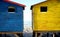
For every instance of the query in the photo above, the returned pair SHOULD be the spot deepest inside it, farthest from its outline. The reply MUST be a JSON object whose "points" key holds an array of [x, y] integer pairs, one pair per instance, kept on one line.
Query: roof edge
{"points": [[36, 4], [14, 3], [31, 7]]}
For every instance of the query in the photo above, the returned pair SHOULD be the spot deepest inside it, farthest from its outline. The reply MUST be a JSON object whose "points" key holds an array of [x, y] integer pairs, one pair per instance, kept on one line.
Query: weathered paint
{"points": [[11, 22], [46, 21]]}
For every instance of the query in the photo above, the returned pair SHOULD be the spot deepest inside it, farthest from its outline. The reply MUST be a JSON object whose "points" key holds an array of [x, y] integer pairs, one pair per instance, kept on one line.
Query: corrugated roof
{"points": [[14, 3]]}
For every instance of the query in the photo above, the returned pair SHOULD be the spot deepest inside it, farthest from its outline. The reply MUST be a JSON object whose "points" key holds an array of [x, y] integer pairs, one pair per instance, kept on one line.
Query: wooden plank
{"points": [[14, 33], [10, 32]]}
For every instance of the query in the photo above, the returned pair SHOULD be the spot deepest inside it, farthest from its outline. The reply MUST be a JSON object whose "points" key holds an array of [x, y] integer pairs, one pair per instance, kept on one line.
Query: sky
{"points": [[27, 11]]}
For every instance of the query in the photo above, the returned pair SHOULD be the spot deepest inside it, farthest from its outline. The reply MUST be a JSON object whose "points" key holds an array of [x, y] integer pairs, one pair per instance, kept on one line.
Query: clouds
{"points": [[27, 29]]}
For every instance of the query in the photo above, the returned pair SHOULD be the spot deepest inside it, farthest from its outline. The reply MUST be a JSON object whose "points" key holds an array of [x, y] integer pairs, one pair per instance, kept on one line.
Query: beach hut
{"points": [[46, 16], [11, 16]]}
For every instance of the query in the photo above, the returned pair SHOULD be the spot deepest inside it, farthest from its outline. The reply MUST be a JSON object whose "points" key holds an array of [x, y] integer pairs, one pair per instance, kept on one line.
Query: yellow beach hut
{"points": [[46, 16]]}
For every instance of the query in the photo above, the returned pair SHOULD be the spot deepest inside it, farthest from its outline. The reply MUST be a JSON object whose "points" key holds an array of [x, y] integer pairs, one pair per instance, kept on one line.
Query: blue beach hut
{"points": [[11, 16]]}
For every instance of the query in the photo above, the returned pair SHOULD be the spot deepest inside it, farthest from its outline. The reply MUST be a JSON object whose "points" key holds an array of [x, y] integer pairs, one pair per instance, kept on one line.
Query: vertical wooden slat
{"points": [[53, 35], [35, 34], [41, 35]]}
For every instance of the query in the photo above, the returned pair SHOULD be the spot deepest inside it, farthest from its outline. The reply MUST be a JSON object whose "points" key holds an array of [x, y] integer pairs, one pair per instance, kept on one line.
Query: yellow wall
{"points": [[46, 21]]}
